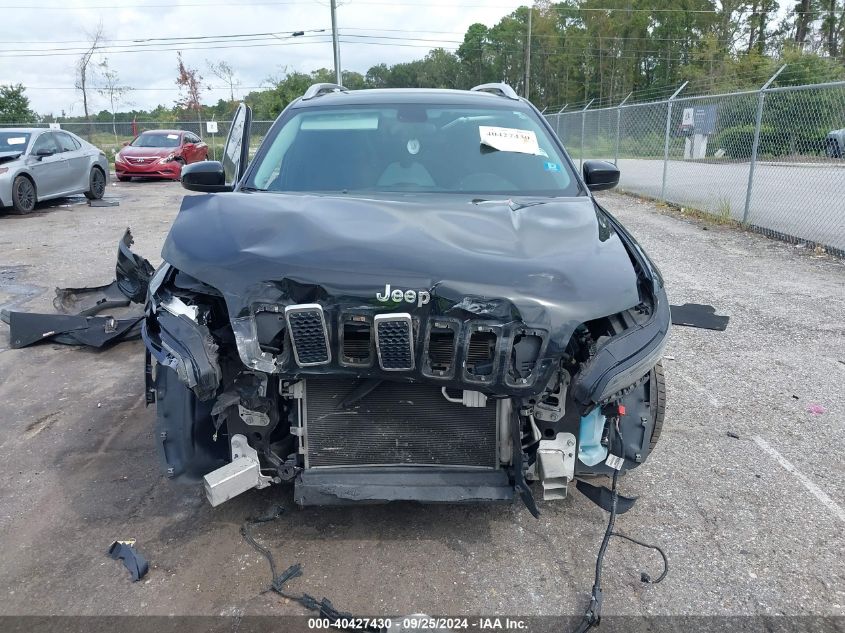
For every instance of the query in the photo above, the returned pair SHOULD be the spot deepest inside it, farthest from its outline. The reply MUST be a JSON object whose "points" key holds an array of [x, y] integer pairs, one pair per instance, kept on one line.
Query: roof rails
{"points": [[315, 90], [501, 89]]}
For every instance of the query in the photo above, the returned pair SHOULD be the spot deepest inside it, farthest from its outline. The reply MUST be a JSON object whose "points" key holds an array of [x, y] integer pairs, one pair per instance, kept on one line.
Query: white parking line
{"points": [[820, 494], [699, 388]]}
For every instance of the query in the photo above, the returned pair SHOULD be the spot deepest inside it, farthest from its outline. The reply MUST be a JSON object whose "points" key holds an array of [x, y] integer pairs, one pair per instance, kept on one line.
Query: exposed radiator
{"points": [[395, 424]]}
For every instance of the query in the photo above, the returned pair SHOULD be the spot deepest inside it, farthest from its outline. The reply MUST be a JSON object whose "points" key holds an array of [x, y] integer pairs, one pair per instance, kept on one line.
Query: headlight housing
{"points": [[625, 359], [167, 158]]}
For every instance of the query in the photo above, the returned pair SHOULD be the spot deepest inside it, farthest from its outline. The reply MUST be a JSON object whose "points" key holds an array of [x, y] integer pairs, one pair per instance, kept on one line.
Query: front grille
{"points": [[394, 424], [440, 347], [307, 328], [394, 341]]}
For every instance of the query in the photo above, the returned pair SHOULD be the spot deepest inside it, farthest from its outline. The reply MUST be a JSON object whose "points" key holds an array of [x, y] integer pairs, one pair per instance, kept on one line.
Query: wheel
{"points": [[832, 149], [657, 397], [96, 184], [23, 195], [124, 178]]}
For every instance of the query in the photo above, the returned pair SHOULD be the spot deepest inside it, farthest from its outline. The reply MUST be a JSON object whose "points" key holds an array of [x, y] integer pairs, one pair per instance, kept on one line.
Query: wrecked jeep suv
{"points": [[405, 295]]}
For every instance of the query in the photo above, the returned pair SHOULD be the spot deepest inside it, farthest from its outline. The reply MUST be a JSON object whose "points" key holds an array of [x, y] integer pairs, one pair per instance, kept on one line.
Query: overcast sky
{"points": [[42, 26]]}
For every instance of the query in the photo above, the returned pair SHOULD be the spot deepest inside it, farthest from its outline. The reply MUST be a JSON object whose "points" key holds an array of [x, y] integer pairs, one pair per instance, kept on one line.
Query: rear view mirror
{"points": [[41, 153], [600, 175], [205, 176]]}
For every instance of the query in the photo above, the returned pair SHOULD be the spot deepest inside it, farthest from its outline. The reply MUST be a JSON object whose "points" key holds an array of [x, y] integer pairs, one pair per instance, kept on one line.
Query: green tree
{"points": [[14, 105]]}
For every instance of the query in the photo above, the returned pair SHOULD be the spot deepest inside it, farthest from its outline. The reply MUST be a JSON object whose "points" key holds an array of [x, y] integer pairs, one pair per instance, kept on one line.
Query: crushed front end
{"points": [[363, 378]]}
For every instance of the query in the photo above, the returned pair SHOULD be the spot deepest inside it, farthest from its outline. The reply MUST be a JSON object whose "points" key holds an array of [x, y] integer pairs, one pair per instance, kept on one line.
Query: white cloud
{"points": [[50, 79]]}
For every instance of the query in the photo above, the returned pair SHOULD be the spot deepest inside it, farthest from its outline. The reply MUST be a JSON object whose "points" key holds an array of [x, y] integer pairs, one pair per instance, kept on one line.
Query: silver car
{"points": [[39, 164]]}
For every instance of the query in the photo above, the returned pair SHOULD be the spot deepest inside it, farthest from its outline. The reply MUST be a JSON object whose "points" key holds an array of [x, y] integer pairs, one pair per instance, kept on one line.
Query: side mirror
{"points": [[44, 152], [600, 175], [205, 176]]}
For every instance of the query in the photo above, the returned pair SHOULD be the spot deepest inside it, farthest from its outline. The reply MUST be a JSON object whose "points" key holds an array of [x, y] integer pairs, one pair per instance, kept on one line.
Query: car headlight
{"points": [[167, 158]]}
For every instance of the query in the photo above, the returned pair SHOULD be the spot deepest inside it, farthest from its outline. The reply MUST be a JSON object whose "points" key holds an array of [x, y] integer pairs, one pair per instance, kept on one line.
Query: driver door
{"points": [[49, 171], [236, 150]]}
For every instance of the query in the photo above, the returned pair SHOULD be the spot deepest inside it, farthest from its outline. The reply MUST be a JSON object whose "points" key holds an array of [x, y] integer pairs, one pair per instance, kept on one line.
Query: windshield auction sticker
{"points": [[508, 139]]}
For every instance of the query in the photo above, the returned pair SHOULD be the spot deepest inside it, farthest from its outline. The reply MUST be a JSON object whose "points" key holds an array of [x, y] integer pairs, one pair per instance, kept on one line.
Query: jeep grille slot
{"points": [[271, 330], [394, 341], [481, 353], [357, 343], [441, 350], [524, 354], [308, 333]]}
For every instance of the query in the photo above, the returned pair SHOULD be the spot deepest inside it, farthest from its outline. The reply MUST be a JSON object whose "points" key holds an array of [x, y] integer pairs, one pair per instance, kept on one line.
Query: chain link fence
{"points": [[772, 159], [110, 137]]}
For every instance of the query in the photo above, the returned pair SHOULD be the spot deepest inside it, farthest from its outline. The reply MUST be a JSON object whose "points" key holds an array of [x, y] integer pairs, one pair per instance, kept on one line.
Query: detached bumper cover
{"points": [[26, 328], [78, 323]]}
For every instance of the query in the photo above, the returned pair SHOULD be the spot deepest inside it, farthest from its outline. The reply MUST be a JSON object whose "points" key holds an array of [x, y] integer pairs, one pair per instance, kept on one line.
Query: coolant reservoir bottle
{"points": [[590, 449]]}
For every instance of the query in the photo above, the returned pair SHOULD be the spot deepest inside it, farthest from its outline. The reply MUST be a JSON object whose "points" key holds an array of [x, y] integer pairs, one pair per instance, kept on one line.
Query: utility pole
{"points": [[528, 56], [336, 45]]}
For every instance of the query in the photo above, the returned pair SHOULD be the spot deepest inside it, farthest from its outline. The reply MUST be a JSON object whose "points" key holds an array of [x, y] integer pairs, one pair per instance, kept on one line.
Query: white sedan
{"points": [[39, 164]]}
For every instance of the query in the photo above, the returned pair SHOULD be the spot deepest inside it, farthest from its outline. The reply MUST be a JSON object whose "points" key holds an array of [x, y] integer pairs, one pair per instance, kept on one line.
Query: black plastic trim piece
{"points": [[325, 486], [626, 353]]}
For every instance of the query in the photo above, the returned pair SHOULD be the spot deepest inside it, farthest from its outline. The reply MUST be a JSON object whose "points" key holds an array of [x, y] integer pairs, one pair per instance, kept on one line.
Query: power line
{"points": [[113, 51], [108, 47], [139, 40], [427, 5], [561, 36]]}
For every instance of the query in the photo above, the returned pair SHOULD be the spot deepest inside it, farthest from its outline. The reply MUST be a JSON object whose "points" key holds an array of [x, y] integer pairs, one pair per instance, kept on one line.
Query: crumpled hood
{"points": [[552, 265]]}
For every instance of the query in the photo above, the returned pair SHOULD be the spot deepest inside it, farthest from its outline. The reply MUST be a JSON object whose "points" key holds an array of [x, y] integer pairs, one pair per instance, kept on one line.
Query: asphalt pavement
{"points": [[745, 490]]}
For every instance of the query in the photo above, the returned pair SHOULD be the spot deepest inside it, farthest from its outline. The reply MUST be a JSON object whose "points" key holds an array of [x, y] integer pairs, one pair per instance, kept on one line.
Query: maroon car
{"points": [[159, 154]]}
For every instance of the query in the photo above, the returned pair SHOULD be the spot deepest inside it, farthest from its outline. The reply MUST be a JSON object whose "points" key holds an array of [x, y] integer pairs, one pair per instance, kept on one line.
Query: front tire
{"points": [[657, 392], [24, 195], [96, 184]]}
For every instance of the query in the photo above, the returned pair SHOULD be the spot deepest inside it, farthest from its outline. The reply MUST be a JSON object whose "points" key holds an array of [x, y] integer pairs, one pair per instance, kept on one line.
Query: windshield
{"points": [[413, 148], [156, 140], [13, 141]]}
